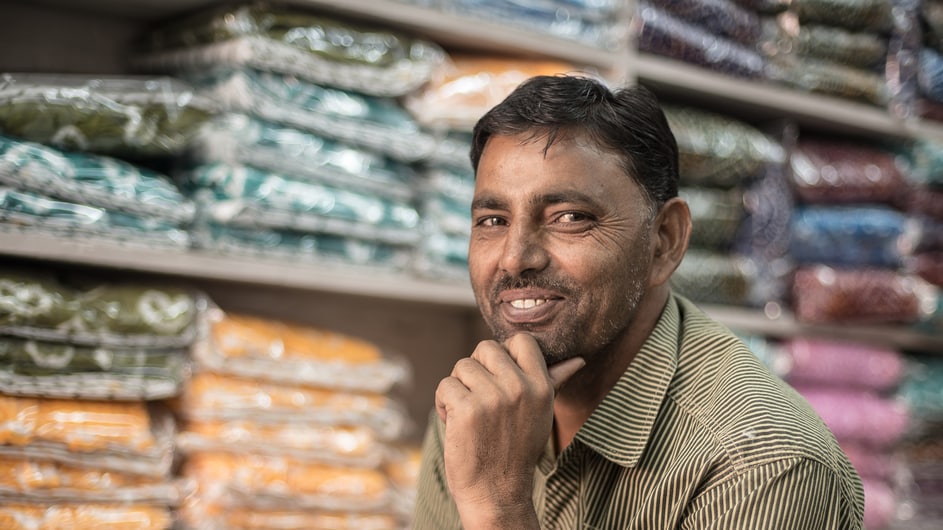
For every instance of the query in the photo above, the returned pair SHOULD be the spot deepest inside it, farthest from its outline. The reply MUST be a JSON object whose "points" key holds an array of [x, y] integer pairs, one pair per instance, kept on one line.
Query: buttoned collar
{"points": [[620, 427]]}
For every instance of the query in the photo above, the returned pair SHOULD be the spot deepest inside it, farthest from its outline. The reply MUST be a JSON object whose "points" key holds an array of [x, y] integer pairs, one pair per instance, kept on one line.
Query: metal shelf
{"points": [[204, 265]]}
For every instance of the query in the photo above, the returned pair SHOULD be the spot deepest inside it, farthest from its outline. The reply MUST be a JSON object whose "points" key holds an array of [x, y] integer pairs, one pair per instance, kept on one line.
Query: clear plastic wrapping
{"points": [[278, 482], [293, 42], [84, 516], [859, 416], [282, 352], [465, 87], [342, 445], [877, 236], [840, 364], [724, 18], [124, 116], [43, 481], [664, 34], [830, 78], [822, 294], [90, 180], [246, 196], [67, 371], [872, 15], [835, 171], [378, 124], [715, 216], [714, 278], [210, 397], [129, 437], [86, 311], [302, 156], [717, 151]]}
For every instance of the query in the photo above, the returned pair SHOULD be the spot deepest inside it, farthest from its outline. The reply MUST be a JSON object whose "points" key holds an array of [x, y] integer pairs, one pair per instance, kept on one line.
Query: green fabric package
{"points": [[122, 116]]}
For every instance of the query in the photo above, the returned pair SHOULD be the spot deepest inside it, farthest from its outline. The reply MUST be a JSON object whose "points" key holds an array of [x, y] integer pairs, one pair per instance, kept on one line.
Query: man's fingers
{"points": [[560, 372]]}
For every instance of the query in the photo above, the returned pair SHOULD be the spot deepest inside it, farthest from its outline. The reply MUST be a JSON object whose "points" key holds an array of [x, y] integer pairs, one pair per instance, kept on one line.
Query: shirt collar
{"points": [[621, 425]]}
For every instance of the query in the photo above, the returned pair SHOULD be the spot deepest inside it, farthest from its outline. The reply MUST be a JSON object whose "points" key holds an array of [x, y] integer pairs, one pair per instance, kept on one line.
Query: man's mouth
{"points": [[527, 303]]}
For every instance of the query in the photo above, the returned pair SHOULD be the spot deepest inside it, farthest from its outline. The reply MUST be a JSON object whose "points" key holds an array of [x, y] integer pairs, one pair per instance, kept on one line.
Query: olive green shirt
{"points": [[697, 433]]}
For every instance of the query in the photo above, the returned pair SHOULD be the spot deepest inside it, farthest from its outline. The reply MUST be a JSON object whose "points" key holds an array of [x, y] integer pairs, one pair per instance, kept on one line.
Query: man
{"points": [[650, 416]]}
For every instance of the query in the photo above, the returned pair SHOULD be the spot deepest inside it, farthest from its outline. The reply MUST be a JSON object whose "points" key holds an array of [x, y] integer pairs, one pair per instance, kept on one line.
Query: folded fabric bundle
{"points": [[862, 236], [67, 371], [724, 18], [132, 116], [294, 42], [245, 196], [129, 437], [44, 306], [282, 352], [237, 139], [375, 123], [715, 216], [212, 516], [842, 364], [835, 171], [873, 15], [859, 416], [718, 151], [84, 516], [715, 278], [830, 78]]}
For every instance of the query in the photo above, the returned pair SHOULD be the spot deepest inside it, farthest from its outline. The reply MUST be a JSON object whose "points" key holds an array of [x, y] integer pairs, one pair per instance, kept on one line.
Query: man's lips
{"points": [[528, 306]]}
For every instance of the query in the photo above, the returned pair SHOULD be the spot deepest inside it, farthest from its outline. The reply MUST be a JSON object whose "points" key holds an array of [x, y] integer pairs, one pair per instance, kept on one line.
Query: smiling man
{"points": [[604, 399]]}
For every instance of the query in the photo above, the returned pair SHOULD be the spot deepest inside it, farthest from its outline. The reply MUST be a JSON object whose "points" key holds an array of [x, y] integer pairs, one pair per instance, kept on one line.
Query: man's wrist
{"points": [[513, 515]]}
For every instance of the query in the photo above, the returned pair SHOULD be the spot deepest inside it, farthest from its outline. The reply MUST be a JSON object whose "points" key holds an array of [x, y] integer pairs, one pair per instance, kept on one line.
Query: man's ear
{"points": [[672, 230]]}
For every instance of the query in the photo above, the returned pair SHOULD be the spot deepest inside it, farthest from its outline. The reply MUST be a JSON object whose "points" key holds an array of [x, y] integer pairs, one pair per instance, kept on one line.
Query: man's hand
{"points": [[497, 407]]}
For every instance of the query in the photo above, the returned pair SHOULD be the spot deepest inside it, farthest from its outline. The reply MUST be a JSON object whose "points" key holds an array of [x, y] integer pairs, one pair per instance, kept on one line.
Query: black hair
{"points": [[628, 121]]}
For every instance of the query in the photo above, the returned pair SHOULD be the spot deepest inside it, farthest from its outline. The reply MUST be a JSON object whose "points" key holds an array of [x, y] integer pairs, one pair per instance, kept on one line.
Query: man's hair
{"points": [[628, 122]]}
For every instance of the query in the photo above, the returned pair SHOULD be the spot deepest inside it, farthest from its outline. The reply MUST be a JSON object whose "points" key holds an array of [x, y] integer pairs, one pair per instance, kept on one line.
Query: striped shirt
{"points": [[696, 434]]}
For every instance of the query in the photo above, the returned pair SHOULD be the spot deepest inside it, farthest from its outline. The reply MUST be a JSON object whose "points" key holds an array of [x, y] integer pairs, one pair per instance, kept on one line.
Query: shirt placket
{"points": [[561, 492]]}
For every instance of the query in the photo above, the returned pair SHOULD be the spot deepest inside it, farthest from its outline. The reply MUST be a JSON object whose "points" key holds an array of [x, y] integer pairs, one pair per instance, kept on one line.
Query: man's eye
{"points": [[490, 221], [572, 217]]}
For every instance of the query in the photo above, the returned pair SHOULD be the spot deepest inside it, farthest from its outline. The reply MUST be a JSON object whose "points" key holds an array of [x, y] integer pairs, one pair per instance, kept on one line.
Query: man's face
{"points": [[560, 244]]}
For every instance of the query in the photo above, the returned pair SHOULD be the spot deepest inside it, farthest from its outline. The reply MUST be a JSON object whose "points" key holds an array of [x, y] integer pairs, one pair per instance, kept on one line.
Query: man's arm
{"points": [[789, 494]]}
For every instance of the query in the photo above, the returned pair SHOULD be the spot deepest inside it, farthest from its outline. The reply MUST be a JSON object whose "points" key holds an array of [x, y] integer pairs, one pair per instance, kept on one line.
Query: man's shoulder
{"points": [[749, 412]]}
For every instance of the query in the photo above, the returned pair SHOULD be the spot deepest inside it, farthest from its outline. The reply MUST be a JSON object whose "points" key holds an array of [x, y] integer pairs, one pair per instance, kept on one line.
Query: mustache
{"points": [[508, 282]]}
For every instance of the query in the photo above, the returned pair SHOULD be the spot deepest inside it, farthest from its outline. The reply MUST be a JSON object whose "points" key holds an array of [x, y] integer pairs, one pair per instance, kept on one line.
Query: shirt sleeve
{"points": [[434, 509], [795, 493]]}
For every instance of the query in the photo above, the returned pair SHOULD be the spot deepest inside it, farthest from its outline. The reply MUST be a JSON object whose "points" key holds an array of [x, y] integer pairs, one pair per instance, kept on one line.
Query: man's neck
{"points": [[580, 396]]}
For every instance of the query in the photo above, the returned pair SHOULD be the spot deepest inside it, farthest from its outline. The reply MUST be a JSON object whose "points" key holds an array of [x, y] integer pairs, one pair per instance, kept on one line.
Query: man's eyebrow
{"points": [[570, 196], [488, 203]]}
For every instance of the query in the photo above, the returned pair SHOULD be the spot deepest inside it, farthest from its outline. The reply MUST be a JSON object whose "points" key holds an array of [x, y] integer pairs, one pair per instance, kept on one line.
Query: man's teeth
{"points": [[527, 303]]}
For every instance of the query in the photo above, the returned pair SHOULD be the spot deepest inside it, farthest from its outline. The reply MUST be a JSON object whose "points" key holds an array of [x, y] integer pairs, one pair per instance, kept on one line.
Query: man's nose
{"points": [[524, 250]]}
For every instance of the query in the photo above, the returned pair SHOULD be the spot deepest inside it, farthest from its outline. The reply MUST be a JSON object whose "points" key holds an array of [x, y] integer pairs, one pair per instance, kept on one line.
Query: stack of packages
{"points": [[84, 439], [853, 387], [311, 157], [719, 35], [923, 202], [594, 23], [838, 48], [462, 90], [58, 135], [732, 177], [293, 427], [921, 453], [851, 240], [929, 49]]}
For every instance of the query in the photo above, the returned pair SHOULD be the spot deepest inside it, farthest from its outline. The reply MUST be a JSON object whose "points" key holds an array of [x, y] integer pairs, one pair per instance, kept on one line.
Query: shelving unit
{"points": [[441, 323]]}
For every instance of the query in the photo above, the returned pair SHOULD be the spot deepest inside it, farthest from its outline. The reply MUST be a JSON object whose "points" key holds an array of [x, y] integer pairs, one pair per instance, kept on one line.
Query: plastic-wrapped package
{"points": [[91, 180], [26, 212], [210, 396], [123, 116], [130, 437], [872, 463], [282, 352], [926, 162], [921, 201], [714, 278], [835, 171], [928, 235], [246, 196], [44, 306], [858, 415], [724, 18], [465, 87], [876, 236], [715, 216], [830, 78], [765, 230], [67, 371], [841, 364], [865, 50], [873, 15], [326, 250], [293, 42], [378, 124], [927, 265], [822, 294], [33, 480], [717, 151], [591, 23], [341, 445], [930, 74], [237, 139], [663, 34], [216, 517], [277, 482], [84, 516], [921, 389]]}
